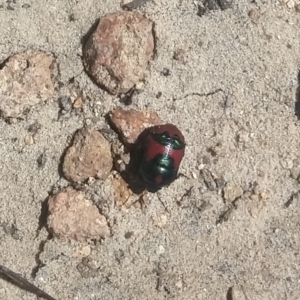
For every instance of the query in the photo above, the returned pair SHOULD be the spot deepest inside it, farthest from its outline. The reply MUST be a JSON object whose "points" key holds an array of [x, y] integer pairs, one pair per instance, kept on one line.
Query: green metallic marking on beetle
{"points": [[165, 140], [160, 165], [164, 162]]}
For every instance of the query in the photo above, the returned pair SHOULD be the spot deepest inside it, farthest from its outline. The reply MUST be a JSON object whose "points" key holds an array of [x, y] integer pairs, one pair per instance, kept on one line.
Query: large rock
{"points": [[88, 156], [74, 216], [117, 52], [25, 80]]}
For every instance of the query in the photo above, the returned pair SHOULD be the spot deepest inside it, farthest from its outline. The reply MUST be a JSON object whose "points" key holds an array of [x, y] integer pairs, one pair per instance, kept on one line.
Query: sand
{"points": [[234, 100]]}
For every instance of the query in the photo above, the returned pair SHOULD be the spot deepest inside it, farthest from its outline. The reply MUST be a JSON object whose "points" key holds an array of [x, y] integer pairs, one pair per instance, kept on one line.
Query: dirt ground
{"points": [[234, 99]]}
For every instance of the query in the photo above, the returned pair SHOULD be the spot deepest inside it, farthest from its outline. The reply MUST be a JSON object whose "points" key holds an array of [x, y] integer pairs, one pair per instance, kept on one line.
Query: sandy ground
{"points": [[248, 133]]}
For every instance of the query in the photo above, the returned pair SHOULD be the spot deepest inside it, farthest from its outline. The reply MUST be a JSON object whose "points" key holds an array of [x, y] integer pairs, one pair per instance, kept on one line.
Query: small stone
{"points": [[166, 72], [261, 173], [89, 156], [160, 250], [29, 140], [208, 179], [287, 163], [82, 252], [78, 103], [73, 16], [220, 182], [65, 104], [130, 123], [160, 220], [73, 215], [290, 4], [225, 4], [128, 234], [179, 55], [34, 127], [295, 169], [179, 284], [232, 192], [42, 160], [264, 195], [254, 15], [87, 268], [116, 54], [243, 136], [25, 80], [119, 255], [158, 95]]}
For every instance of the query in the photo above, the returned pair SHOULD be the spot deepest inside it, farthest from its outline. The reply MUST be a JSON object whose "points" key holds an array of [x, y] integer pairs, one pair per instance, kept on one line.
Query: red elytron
{"points": [[164, 147]]}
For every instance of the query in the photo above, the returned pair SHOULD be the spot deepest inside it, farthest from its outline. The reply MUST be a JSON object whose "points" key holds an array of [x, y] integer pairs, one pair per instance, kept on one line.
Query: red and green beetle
{"points": [[163, 149]]}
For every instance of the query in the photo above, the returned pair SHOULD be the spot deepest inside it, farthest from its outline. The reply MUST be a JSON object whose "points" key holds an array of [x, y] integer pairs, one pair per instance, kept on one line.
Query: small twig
{"points": [[134, 4], [22, 283], [204, 94]]}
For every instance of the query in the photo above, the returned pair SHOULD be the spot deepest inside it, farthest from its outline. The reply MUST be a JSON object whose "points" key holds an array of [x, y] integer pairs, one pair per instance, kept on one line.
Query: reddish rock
{"points": [[130, 123], [25, 80], [117, 52], [121, 192], [89, 156], [74, 216]]}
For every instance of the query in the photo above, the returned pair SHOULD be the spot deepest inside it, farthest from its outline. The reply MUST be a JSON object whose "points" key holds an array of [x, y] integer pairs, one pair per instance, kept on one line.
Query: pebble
{"points": [[161, 250], [82, 252], [290, 3], [87, 268], [180, 55], [243, 136], [72, 215], [117, 53], [254, 15], [78, 103], [28, 140], [232, 192], [25, 80], [208, 179], [179, 284], [88, 156]]}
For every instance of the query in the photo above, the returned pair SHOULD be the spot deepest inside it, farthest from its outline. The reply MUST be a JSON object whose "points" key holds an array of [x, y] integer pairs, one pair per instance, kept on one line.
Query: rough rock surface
{"points": [[117, 52], [74, 216], [25, 80], [89, 156], [130, 123]]}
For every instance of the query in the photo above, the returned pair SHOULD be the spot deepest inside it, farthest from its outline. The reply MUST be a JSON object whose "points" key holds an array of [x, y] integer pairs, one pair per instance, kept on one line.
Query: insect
{"points": [[163, 149]]}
